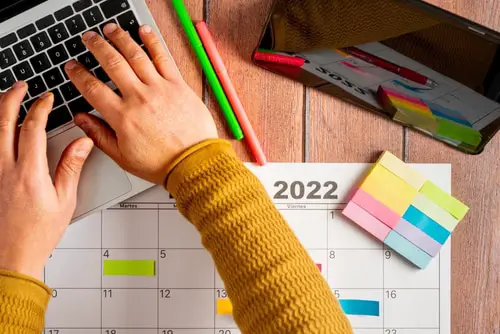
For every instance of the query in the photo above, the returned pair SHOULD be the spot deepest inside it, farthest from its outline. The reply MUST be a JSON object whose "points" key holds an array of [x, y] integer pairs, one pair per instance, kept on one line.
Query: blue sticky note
{"points": [[405, 248], [426, 224], [447, 113], [360, 307]]}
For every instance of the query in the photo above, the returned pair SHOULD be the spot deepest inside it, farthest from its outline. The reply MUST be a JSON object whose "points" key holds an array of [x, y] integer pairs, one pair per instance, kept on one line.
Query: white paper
{"points": [[181, 298]]}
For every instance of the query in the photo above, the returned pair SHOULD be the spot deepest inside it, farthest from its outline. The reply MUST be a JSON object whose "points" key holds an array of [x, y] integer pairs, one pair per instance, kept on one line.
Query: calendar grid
{"points": [[102, 266]]}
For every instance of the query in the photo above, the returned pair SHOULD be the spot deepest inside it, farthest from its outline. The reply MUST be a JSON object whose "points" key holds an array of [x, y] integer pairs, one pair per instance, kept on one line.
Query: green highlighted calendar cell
{"points": [[129, 268]]}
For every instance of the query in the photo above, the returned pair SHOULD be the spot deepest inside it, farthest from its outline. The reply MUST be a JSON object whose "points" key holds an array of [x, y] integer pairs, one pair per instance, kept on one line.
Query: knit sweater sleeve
{"points": [[23, 301], [272, 282]]}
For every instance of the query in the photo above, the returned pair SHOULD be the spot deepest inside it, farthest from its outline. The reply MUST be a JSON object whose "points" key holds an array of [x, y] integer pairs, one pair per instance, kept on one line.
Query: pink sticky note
{"points": [[375, 208], [319, 266], [398, 95], [365, 220]]}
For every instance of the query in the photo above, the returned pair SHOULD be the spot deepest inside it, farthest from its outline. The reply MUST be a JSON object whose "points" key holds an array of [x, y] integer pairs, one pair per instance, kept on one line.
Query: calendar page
{"points": [[173, 286]]}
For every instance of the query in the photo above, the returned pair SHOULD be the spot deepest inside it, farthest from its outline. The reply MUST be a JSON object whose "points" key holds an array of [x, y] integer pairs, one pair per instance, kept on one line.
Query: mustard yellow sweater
{"points": [[273, 284]]}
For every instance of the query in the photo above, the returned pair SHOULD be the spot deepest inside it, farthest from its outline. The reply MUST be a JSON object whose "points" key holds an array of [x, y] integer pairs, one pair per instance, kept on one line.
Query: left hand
{"points": [[34, 211]]}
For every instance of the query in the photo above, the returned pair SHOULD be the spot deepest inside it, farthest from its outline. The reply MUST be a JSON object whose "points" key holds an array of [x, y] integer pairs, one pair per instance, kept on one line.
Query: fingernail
{"points": [[89, 35], [109, 28], [19, 84], [84, 148], [71, 64], [46, 95], [146, 29]]}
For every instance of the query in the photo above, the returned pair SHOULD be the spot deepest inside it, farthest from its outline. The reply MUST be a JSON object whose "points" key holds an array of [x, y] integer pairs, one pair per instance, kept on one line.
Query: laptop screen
{"points": [[9, 9], [408, 61]]}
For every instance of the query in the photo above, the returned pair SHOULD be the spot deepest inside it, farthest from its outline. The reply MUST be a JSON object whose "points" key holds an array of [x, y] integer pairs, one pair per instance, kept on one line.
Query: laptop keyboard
{"points": [[37, 53]]}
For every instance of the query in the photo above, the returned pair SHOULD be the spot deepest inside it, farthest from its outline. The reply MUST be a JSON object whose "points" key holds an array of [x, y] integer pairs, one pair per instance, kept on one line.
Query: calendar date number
{"points": [[311, 190]]}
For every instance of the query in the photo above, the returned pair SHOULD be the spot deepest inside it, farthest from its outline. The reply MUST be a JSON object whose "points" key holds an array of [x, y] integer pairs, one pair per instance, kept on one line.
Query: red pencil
{"points": [[220, 69], [279, 59]]}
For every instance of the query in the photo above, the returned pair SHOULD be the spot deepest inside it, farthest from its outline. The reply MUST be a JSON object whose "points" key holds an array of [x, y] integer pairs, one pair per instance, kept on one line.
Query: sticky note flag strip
{"points": [[129, 268], [360, 307], [224, 307], [404, 210]]}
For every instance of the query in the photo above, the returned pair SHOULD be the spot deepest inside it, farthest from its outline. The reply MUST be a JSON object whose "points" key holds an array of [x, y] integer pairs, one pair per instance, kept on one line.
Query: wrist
{"points": [[24, 265]]}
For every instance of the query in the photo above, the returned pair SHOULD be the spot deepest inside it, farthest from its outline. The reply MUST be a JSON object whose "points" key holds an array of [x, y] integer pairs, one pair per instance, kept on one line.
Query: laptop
{"points": [[37, 38]]}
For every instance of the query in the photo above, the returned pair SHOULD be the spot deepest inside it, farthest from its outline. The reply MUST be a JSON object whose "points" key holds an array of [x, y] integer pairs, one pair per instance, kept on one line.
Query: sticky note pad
{"points": [[418, 237], [408, 250], [375, 208], [435, 212], [360, 307], [402, 170], [389, 189], [456, 208], [400, 207], [366, 221], [129, 268], [224, 307], [417, 218]]}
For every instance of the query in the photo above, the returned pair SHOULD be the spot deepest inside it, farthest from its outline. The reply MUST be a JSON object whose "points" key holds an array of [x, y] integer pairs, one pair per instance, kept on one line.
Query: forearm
{"points": [[273, 284], [23, 302]]}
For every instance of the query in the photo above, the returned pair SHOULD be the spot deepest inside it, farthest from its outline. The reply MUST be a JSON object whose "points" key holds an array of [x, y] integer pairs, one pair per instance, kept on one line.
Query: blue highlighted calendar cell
{"points": [[360, 307]]}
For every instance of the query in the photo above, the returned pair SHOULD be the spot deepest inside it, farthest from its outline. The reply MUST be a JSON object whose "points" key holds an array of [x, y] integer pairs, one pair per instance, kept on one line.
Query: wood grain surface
{"points": [[298, 124]]}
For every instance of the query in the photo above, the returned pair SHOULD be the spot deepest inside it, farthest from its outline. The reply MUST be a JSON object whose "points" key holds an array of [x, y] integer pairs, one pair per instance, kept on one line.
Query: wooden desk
{"points": [[297, 124]]}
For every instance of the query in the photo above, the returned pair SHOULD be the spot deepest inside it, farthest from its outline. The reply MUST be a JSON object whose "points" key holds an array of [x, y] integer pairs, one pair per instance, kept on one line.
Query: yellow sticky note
{"points": [[389, 189], [402, 170], [435, 212], [224, 307], [449, 203]]}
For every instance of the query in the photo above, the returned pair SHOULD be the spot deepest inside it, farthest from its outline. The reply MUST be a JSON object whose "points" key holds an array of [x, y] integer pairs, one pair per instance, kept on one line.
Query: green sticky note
{"points": [[447, 202], [129, 268], [456, 131]]}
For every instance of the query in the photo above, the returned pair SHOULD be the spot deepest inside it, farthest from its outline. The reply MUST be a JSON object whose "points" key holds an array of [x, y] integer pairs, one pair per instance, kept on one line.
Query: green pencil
{"points": [[213, 80]]}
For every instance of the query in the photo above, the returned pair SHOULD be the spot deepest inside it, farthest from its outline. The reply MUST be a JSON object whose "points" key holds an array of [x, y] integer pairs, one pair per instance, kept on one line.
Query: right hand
{"points": [[156, 118]]}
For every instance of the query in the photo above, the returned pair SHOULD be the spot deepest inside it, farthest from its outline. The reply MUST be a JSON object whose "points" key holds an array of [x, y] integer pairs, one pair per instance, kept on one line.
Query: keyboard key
{"points": [[129, 23], [58, 54], [26, 97], [64, 71], [58, 117], [23, 71], [112, 7], [63, 13], [75, 24], [36, 86], [40, 63], [26, 31], [69, 91], [88, 60], [23, 50], [106, 23], [7, 58], [82, 4], [53, 77], [40, 41], [75, 46], [30, 103], [6, 79], [58, 100], [8, 40], [101, 75], [93, 16], [80, 105], [58, 33], [45, 22]]}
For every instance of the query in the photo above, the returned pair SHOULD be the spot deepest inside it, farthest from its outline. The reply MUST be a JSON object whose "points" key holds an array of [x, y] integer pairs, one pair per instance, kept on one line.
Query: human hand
{"points": [[157, 116], [34, 211]]}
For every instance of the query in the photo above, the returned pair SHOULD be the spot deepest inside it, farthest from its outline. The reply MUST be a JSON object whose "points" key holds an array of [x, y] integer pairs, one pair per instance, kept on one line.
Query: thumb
{"points": [[70, 167], [100, 133]]}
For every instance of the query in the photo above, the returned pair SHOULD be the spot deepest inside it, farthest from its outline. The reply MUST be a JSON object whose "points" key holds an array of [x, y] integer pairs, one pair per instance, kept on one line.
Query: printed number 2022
{"points": [[298, 190]]}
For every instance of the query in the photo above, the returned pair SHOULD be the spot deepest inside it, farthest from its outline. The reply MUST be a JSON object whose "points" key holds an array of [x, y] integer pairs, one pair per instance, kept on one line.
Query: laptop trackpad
{"points": [[102, 179]]}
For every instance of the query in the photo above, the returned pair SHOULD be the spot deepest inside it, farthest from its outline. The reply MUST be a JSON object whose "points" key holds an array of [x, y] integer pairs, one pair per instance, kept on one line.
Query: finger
{"points": [[112, 62], [70, 167], [133, 53], [97, 93], [100, 133], [32, 137], [10, 103], [158, 53]]}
